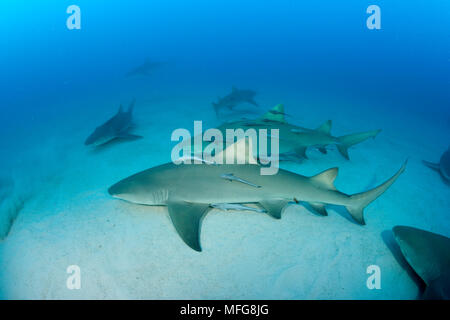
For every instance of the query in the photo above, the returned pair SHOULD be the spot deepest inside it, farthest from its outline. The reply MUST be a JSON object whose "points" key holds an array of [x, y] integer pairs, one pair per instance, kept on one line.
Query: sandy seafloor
{"points": [[129, 251]]}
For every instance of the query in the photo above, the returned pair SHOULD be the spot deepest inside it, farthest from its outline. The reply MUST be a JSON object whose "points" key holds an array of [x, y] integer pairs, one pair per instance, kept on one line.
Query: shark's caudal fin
{"points": [[345, 142], [275, 114], [361, 200]]}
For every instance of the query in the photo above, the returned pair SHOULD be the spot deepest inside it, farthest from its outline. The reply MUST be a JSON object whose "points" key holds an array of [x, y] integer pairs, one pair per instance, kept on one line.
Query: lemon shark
{"points": [[236, 97], [117, 127], [144, 69], [429, 255], [295, 140], [190, 190], [443, 167]]}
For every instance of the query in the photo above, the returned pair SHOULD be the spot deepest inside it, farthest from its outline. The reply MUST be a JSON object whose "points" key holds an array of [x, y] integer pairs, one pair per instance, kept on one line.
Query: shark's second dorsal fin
{"points": [[326, 179], [240, 152], [275, 114], [325, 127]]}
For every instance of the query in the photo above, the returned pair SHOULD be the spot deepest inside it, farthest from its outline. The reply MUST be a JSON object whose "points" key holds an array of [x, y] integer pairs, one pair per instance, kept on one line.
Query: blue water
{"points": [[317, 58]]}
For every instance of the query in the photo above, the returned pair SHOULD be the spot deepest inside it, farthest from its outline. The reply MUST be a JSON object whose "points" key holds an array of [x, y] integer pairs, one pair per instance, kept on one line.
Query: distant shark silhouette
{"points": [[429, 255], [117, 127], [144, 69], [190, 190], [235, 98], [443, 167]]}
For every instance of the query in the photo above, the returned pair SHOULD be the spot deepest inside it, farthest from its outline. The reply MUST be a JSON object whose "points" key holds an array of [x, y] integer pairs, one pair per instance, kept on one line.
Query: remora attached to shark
{"points": [[116, 127], [443, 167], [189, 190], [429, 255], [235, 98], [294, 140]]}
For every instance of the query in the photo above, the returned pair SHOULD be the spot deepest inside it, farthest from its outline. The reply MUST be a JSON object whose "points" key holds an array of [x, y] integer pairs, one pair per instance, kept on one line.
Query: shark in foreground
{"points": [[295, 140], [443, 167], [429, 255], [236, 97], [117, 127], [190, 190]]}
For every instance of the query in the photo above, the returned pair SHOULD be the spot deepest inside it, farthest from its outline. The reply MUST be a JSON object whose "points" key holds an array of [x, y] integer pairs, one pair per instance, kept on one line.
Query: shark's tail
{"points": [[361, 200], [345, 142]]}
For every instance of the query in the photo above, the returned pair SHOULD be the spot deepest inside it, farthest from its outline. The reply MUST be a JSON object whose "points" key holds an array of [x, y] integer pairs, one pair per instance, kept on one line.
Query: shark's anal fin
{"points": [[187, 219], [274, 207]]}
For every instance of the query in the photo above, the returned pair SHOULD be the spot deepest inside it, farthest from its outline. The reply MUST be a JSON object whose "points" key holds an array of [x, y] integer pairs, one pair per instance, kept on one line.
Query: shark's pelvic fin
{"points": [[360, 200], [319, 208], [274, 207], [325, 127], [302, 152], [325, 179], [187, 219], [434, 166], [277, 115]]}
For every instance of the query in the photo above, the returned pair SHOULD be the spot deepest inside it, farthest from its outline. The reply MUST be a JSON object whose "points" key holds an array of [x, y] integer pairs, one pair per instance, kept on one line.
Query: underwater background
{"points": [[317, 58]]}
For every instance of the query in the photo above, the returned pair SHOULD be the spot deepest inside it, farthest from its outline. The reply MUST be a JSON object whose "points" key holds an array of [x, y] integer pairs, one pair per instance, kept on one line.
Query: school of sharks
{"points": [[189, 189]]}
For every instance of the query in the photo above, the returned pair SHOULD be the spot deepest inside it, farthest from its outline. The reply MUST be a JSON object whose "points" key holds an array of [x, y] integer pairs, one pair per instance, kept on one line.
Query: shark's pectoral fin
{"points": [[187, 219], [434, 166], [129, 136], [274, 207], [319, 208]]}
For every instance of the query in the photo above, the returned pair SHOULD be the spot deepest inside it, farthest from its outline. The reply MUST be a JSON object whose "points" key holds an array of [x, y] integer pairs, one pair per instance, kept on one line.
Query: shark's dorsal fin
{"points": [[325, 127], [120, 109], [234, 89], [240, 152], [275, 114], [326, 179]]}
